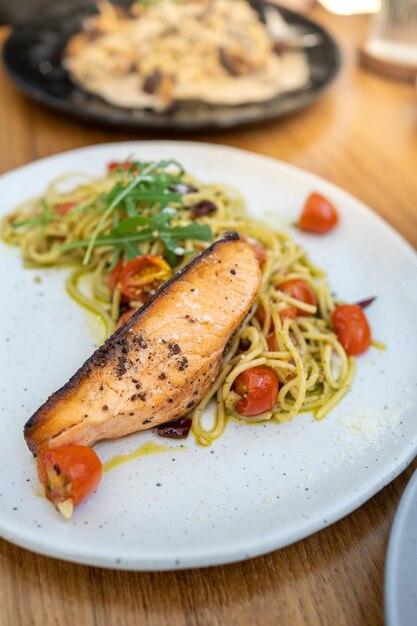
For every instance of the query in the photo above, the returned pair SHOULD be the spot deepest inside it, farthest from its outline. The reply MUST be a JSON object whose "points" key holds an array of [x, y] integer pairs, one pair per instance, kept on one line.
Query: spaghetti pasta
{"points": [[302, 350]]}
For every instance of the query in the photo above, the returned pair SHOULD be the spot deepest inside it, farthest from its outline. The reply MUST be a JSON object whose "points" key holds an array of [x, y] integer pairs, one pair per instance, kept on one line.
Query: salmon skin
{"points": [[162, 362]]}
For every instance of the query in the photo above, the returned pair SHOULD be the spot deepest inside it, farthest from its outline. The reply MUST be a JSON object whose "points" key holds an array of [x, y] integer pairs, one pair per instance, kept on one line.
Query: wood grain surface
{"points": [[361, 135]]}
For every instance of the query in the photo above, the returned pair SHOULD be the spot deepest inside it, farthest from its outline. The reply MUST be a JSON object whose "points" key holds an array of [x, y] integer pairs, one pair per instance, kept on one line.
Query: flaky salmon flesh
{"points": [[162, 362]]}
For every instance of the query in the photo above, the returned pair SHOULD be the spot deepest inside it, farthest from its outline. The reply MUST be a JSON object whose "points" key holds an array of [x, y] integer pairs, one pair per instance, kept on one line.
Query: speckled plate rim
{"points": [[261, 544], [394, 567]]}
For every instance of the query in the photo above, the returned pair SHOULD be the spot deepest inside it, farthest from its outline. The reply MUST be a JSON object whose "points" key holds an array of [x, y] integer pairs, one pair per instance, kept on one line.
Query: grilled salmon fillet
{"points": [[160, 364]]}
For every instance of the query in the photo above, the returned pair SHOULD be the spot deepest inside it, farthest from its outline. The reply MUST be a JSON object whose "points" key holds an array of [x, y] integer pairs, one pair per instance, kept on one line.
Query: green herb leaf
{"points": [[131, 207], [201, 232], [162, 219], [131, 250], [130, 224], [154, 175]]}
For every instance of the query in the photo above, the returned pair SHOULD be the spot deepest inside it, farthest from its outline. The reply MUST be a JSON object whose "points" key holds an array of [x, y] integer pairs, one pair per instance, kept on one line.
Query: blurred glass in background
{"points": [[350, 7], [394, 32]]}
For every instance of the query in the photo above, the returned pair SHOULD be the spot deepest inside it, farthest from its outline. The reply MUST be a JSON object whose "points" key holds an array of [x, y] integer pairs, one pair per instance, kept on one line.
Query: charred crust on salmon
{"points": [[142, 343], [183, 364]]}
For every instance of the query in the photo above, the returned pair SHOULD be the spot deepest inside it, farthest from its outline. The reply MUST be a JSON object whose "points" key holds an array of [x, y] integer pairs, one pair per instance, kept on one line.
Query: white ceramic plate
{"points": [[401, 568], [258, 488]]}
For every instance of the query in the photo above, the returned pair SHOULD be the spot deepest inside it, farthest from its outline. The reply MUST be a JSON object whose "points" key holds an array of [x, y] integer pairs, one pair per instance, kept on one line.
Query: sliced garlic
{"points": [[66, 508]]}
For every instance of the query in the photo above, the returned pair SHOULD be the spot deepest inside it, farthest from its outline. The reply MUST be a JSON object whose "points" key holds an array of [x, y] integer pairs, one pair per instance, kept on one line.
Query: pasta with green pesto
{"points": [[154, 217]]}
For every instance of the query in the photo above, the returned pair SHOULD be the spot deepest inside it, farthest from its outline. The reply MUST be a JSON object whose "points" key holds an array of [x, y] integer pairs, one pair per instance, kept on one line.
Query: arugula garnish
{"points": [[149, 186], [127, 237], [141, 206]]}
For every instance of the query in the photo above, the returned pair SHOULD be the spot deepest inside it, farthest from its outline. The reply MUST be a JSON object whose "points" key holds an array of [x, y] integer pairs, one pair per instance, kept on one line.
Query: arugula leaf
{"points": [[171, 237], [130, 206], [201, 232], [148, 185], [162, 219], [153, 174], [156, 197], [170, 255], [131, 250], [130, 224]]}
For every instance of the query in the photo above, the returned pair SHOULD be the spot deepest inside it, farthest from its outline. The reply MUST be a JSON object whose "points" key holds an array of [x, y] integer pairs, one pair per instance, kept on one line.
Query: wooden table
{"points": [[361, 135]]}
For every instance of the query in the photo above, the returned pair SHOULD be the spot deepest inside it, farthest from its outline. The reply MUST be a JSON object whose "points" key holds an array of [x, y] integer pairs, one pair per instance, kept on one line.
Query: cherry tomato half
{"points": [[258, 249], [143, 275], [258, 387], [69, 474], [352, 328], [260, 315], [289, 312], [63, 208], [126, 316], [319, 215], [271, 340], [299, 290]]}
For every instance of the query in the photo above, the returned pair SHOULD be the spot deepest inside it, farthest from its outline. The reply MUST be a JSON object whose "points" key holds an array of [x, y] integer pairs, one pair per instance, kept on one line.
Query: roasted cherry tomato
{"points": [[114, 275], [126, 316], [120, 165], [69, 474], [352, 328], [319, 215], [63, 208], [271, 340], [143, 275], [300, 290], [260, 315], [289, 312], [258, 249], [258, 387]]}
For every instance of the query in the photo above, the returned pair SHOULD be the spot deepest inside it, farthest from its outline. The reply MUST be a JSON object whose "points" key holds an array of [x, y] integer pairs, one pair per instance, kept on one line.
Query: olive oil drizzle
{"points": [[148, 448]]}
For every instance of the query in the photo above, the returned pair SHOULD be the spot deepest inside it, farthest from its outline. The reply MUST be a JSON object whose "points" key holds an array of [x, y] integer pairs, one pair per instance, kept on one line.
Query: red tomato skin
{"points": [[114, 276], [63, 208], [131, 283], [258, 249], [260, 315], [271, 340], [300, 290], [77, 469], [352, 328], [319, 215], [260, 386], [290, 313]]}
